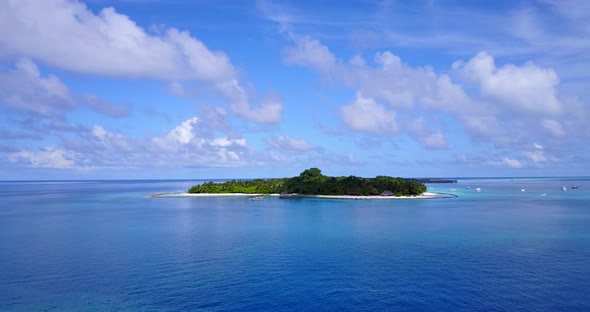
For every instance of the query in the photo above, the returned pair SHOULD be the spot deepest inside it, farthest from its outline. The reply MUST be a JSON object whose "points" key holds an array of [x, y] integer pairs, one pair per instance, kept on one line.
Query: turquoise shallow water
{"points": [[107, 246]]}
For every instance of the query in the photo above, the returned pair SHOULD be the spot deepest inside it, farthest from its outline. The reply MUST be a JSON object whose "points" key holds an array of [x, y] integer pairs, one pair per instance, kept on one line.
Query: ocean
{"points": [[109, 246]]}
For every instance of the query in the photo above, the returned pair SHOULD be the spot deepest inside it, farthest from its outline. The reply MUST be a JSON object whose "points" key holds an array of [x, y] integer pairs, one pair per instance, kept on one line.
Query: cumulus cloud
{"points": [[422, 132], [182, 146], [48, 158], [181, 135], [25, 90], [269, 112], [288, 145], [67, 35], [384, 91], [529, 88], [189, 145], [307, 51], [226, 142], [539, 157], [113, 141], [364, 114], [534, 155], [507, 105]]}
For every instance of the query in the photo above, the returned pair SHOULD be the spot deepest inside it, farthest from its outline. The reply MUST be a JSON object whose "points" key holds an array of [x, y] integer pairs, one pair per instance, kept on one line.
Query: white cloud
{"points": [[506, 105], [227, 142], [365, 115], [67, 35], [49, 158], [113, 141], [25, 90], [181, 135], [221, 142], [434, 140], [288, 145], [99, 132], [309, 52], [505, 162], [268, 112], [357, 60], [274, 11], [189, 145], [536, 157], [526, 88], [390, 82], [181, 147], [421, 132], [539, 157], [388, 60], [553, 127]]}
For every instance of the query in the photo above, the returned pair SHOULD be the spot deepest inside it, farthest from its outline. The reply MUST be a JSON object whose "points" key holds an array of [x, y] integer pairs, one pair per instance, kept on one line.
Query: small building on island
{"points": [[387, 193]]}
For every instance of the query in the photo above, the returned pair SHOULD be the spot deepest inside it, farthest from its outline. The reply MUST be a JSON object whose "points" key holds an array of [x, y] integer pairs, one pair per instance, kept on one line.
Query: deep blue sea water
{"points": [[108, 246]]}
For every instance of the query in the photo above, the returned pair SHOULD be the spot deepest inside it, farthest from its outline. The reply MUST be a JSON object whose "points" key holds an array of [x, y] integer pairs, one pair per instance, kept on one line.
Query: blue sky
{"points": [[242, 89]]}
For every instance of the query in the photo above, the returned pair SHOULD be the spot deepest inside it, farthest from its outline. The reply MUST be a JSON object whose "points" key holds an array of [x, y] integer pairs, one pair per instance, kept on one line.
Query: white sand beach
{"points": [[184, 194], [425, 195]]}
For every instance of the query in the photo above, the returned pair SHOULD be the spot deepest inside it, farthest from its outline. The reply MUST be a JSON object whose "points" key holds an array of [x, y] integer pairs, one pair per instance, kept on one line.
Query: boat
{"points": [[256, 197], [522, 190], [286, 195], [564, 189], [477, 189], [575, 187]]}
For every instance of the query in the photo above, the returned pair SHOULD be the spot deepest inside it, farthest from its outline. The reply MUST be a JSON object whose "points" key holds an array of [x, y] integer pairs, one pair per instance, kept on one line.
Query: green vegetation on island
{"points": [[313, 182]]}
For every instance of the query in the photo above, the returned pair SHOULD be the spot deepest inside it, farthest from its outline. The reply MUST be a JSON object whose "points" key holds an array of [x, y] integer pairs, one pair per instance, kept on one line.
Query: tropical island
{"points": [[312, 182]]}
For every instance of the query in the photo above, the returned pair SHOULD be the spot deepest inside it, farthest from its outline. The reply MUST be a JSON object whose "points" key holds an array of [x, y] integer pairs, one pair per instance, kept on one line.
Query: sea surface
{"points": [[109, 246]]}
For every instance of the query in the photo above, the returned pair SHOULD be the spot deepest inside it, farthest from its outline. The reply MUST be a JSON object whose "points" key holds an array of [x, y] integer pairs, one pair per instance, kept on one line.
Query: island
{"points": [[312, 182]]}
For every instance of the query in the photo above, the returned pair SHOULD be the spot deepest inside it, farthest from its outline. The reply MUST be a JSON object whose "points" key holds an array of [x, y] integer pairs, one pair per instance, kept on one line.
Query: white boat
{"points": [[256, 197], [285, 195], [522, 190], [564, 189], [477, 189]]}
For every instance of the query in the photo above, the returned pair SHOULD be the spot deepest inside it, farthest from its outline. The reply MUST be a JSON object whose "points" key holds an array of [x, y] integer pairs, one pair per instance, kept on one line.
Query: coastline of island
{"points": [[425, 195]]}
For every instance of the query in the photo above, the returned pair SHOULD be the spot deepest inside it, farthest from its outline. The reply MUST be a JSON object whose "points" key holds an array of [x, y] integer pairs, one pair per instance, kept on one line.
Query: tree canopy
{"points": [[312, 182]]}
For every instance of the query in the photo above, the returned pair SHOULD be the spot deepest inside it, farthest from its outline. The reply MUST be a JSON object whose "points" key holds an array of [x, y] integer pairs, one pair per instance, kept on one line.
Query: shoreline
{"points": [[425, 195]]}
